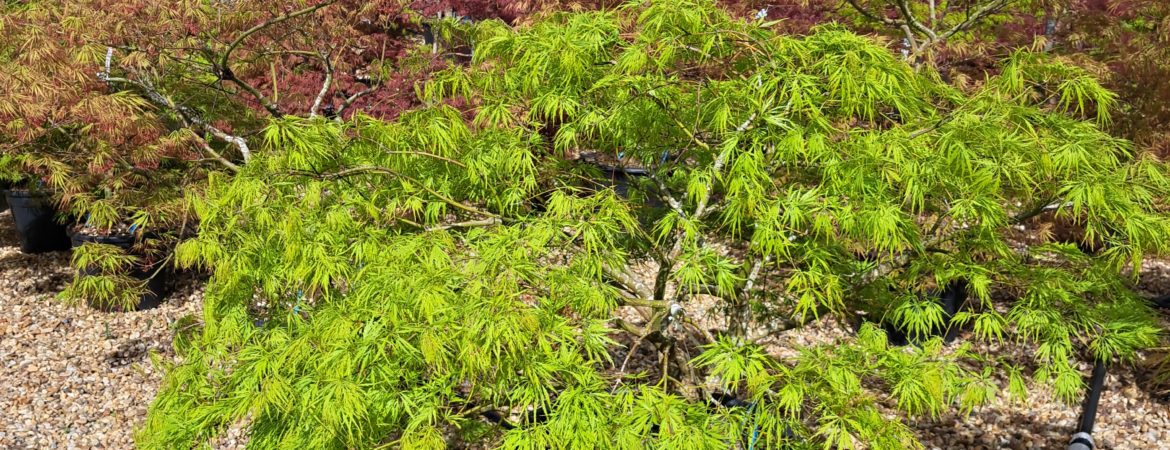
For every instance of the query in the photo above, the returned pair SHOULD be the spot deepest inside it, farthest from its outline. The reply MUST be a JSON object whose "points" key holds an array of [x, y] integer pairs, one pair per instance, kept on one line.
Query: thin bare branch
{"points": [[212, 153], [388, 151], [225, 67], [466, 224], [353, 98], [223, 60], [325, 85], [990, 8], [360, 170], [932, 127], [908, 16], [871, 15], [268, 105], [189, 117]]}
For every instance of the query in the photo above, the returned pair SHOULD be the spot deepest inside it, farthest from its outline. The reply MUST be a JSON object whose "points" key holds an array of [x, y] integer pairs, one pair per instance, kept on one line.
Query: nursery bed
{"points": [[74, 378]]}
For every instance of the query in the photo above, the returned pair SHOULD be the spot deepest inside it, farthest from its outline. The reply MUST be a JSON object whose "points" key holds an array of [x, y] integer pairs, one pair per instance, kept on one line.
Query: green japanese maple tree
{"points": [[474, 272]]}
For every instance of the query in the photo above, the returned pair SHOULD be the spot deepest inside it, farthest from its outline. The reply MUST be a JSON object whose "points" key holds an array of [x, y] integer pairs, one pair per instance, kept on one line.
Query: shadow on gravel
{"points": [[1153, 376], [33, 273], [17, 260], [129, 352], [36, 274]]}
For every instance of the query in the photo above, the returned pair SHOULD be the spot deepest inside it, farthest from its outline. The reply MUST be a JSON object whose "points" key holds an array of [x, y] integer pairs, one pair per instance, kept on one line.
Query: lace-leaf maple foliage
{"points": [[1130, 37], [1122, 42], [120, 108], [463, 274]]}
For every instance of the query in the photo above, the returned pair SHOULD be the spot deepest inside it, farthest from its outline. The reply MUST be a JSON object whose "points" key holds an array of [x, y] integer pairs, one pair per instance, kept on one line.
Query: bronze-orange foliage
{"points": [[119, 105], [1132, 38]]}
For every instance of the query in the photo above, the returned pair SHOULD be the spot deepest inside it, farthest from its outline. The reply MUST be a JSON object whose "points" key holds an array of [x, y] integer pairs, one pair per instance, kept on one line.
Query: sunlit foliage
{"points": [[392, 284]]}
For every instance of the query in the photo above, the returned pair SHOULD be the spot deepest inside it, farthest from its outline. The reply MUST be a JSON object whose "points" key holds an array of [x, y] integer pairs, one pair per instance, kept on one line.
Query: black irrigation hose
{"points": [[1083, 439], [531, 417], [495, 417], [1096, 385]]}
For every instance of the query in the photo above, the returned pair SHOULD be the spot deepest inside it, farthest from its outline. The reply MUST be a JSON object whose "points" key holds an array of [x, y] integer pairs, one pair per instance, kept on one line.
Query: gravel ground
{"points": [[1127, 418], [75, 378]]}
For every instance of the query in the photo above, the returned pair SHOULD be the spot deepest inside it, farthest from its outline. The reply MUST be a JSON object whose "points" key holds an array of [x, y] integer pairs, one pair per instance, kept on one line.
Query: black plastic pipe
{"points": [[1083, 440], [495, 417], [1096, 385]]}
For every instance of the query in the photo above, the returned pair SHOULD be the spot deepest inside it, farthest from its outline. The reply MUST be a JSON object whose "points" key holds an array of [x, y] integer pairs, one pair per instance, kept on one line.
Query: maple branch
{"points": [[225, 68], [325, 85], [359, 170], [666, 195], [388, 151], [661, 304], [871, 16], [988, 9], [467, 224], [1038, 209], [349, 101], [720, 159], [936, 125], [703, 331], [628, 327], [211, 152], [910, 39], [223, 60], [904, 8], [741, 308], [189, 117], [628, 281], [754, 274], [304, 53], [238, 141], [268, 105]]}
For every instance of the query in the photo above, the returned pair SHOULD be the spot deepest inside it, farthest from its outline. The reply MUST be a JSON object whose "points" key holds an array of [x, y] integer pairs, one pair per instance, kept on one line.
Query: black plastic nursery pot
{"points": [[952, 298], [624, 180], [156, 278], [37, 223], [4, 186]]}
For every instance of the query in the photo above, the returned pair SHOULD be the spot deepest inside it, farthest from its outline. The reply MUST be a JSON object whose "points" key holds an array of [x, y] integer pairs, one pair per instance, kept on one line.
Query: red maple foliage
{"points": [[121, 105]]}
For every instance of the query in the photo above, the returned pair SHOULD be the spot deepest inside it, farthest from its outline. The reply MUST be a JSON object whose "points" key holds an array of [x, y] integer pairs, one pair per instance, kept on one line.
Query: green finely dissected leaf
{"points": [[469, 277]]}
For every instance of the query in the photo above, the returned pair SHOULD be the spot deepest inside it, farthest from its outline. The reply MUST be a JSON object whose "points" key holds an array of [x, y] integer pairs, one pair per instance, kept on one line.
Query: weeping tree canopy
{"points": [[474, 272]]}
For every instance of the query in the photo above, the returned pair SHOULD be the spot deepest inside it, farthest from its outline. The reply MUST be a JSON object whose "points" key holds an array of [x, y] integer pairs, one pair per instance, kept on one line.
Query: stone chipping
{"points": [[73, 377]]}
